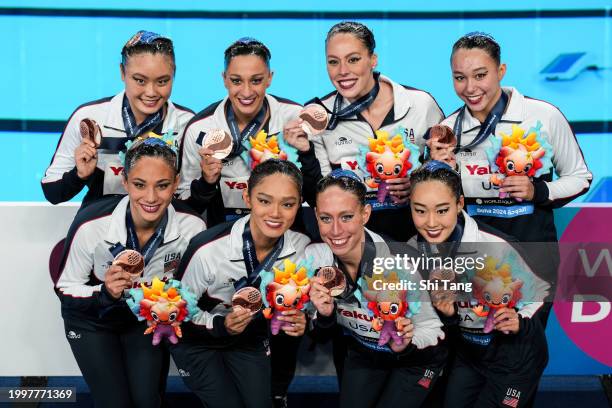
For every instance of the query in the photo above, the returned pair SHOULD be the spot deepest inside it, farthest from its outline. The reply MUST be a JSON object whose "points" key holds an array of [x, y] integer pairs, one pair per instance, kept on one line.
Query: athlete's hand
{"points": [[321, 298], [446, 307], [407, 331], [399, 189], [117, 280], [518, 187], [506, 320], [295, 135], [211, 167], [86, 159], [236, 321], [442, 151], [297, 318]]}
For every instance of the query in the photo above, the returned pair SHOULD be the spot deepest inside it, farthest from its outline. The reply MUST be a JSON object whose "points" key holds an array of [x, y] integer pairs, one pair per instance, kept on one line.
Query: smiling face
{"points": [[341, 218], [148, 82], [497, 294], [434, 210], [350, 65], [246, 79], [274, 203], [477, 78], [287, 296], [151, 183]]}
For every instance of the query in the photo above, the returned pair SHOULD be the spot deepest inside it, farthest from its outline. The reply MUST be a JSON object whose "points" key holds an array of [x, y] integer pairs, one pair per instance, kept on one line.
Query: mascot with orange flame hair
{"points": [[494, 288], [387, 306], [285, 289], [519, 154], [263, 147], [165, 306], [389, 157]]}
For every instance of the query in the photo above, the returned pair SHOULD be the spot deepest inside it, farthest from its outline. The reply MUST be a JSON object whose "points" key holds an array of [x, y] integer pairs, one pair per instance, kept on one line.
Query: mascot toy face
{"points": [[496, 293], [518, 162], [164, 312], [494, 288], [285, 288], [287, 296], [388, 165]]}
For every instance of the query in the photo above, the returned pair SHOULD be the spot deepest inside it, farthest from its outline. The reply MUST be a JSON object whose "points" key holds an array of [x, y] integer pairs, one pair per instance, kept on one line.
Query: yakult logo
{"points": [[476, 170], [234, 185]]}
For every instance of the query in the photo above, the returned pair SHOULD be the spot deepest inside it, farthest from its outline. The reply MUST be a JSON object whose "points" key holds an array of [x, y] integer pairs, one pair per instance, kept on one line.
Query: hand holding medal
{"points": [[216, 146], [86, 155], [333, 279], [442, 143], [132, 262], [442, 279], [220, 142], [247, 298], [314, 119], [127, 268]]}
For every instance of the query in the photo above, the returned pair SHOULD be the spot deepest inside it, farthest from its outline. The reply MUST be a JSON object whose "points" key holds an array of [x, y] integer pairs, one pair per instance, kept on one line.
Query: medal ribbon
{"points": [[129, 121], [253, 267], [359, 105], [249, 131], [486, 129]]}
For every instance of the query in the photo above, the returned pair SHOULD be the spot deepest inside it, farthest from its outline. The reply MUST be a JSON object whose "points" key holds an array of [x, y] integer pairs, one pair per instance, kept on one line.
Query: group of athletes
{"points": [[227, 221]]}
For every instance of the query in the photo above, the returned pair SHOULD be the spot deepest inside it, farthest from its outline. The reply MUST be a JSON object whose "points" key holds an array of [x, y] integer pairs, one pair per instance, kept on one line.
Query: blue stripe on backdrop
{"points": [[59, 63], [311, 5], [25, 157]]}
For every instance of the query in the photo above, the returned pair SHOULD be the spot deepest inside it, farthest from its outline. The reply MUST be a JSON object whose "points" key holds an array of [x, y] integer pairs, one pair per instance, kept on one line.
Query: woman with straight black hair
{"points": [[225, 351], [118, 362], [87, 153], [501, 349]]}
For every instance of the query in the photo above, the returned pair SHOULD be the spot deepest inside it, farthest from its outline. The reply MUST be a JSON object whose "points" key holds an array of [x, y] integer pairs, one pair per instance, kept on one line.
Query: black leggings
{"points": [[472, 387], [121, 367], [225, 378], [283, 361], [378, 382]]}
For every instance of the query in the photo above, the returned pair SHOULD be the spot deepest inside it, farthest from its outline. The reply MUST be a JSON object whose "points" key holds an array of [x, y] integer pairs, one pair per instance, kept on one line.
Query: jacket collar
{"points": [[115, 120], [117, 231], [514, 111], [401, 99], [275, 124], [235, 242], [470, 229]]}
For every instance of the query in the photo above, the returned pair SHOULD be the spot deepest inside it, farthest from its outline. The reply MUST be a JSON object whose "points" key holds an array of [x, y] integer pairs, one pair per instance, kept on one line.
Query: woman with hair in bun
{"points": [[225, 351], [118, 362], [87, 153], [521, 203], [403, 371], [492, 111], [368, 109], [501, 348], [251, 125]]}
